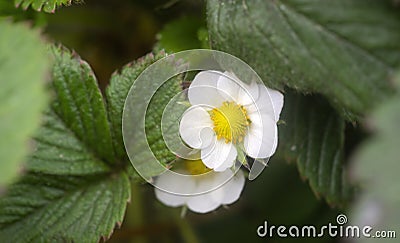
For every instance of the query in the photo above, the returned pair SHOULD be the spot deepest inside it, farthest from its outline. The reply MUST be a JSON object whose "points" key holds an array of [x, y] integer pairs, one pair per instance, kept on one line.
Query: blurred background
{"points": [[109, 34]]}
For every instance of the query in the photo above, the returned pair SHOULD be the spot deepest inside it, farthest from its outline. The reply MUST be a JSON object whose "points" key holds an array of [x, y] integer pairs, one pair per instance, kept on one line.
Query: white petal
{"points": [[203, 90], [228, 162], [232, 88], [170, 182], [249, 95], [218, 153], [228, 86], [170, 199], [269, 102], [225, 194], [261, 140], [233, 188], [277, 102], [203, 203], [210, 200], [195, 128]]}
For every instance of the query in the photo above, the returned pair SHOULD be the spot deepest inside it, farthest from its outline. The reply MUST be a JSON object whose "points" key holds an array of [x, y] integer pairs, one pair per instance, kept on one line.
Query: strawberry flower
{"points": [[228, 118]]}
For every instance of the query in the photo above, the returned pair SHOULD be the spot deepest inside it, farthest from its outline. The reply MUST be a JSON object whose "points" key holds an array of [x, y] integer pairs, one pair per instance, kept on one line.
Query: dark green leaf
{"points": [[60, 152], [80, 104], [23, 69], [63, 208], [343, 49], [153, 120], [313, 137], [117, 92], [116, 95]]}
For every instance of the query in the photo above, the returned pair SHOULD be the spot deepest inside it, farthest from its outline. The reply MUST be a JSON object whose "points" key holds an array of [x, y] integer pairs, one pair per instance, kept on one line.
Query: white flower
{"points": [[226, 115], [202, 193]]}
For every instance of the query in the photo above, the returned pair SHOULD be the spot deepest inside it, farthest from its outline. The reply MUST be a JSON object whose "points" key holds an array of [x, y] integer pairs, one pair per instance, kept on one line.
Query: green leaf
{"points": [[75, 189], [313, 137], [181, 34], [376, 166], [23, 68], [45, 5], [117, 92], [154, 115], [80, 104], [63, 208], [60, 152], [10, 12], [343, 49]]}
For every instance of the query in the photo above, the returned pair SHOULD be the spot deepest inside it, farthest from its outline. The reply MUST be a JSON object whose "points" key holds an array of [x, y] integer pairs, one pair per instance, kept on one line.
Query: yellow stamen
{"points": [[230, 122], [196, 167]]}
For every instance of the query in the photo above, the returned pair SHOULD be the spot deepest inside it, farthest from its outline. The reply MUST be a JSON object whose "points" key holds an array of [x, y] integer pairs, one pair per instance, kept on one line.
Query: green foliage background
{"points": [[335, 61]]}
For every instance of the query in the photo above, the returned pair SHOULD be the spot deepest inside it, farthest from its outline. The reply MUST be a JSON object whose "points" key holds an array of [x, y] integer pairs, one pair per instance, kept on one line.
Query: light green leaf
{"points": [[75, 189], [181, 34], [23, 68], [45, 5], [376, 166], [343, 49], [313, 137]]}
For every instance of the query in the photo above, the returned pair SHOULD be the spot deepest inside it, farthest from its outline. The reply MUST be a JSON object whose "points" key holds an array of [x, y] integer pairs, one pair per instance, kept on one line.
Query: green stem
{"points": [[136, 215], [187, 232]]}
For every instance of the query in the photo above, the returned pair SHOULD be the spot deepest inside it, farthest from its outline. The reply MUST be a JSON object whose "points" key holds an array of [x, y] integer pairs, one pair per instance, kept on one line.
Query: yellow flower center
{"points": [[196, 167], [230, 121]]}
